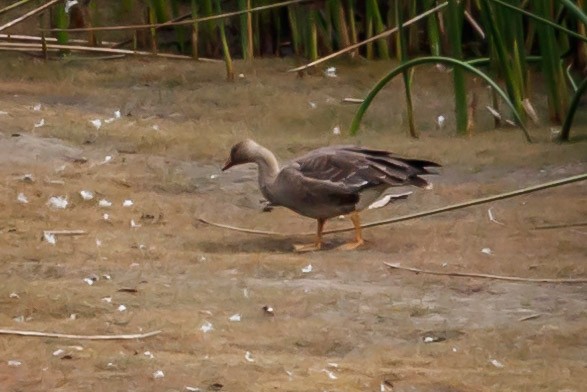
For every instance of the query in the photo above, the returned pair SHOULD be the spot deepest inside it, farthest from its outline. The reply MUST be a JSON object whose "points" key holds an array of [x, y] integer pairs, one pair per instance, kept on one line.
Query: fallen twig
{"points": [[180, 23], [37, 47], [12, 6], [474, 25], [81, 337], [530, 317], [374, 38], [66, 232], [353, 100], [20, 37], [28, 14], [253, 231], [560, 226], [483, 200], [492, 218], [485, 276]]}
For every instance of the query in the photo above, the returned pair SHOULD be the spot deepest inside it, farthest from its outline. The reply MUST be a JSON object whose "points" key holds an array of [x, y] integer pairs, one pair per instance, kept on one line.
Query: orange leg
{"points": [[358, 236], [317, 244]]}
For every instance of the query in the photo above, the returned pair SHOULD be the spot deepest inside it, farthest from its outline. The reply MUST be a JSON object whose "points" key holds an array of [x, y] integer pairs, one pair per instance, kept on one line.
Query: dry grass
{"points": [[350, 310]]}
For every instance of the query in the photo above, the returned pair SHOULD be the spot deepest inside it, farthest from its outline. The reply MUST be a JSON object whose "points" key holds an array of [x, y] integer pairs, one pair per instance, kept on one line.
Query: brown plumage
{"points": [[330, 181]]}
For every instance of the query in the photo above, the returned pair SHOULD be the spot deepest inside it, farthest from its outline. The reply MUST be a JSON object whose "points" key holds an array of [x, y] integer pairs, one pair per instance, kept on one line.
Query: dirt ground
{"points": [[351, 323]]}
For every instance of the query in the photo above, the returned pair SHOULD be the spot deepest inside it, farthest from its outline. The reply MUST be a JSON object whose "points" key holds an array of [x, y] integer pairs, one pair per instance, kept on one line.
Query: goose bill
{"points": [[228, 165]]}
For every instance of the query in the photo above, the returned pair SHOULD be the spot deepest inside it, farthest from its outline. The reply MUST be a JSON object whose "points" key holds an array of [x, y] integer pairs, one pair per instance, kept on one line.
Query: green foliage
{"points": [[455, 30], [552, 67], [402, 50], [225, 48], [575, 102], [431, 60], [509, 37], [61, 21]]}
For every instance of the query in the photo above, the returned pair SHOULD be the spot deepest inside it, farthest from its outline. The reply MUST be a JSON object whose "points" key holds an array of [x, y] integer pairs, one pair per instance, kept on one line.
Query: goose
{"points": [[330, 181]]}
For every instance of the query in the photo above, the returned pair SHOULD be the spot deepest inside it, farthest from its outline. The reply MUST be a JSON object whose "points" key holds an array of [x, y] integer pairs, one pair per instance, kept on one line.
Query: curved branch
{"points": [[453, 207]]}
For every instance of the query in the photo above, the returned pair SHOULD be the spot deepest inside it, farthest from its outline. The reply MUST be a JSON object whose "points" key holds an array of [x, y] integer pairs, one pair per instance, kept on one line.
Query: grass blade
{"points": [[195, 30], [455, 27], [61, 21], [573, 8], [503, 61], [432, 60], [403, 56], [225, 48], [575, 102], [542, 20], [246, 31], [552, 68], [433, 30]]}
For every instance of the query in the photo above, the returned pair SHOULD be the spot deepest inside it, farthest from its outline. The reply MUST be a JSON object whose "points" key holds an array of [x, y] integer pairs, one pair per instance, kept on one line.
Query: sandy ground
{"points": [[351, 324]]}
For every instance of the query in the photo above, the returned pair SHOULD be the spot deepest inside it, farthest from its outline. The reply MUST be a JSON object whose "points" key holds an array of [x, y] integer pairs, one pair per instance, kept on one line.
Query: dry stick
{"points": [[374, 38], [93, 58], [12, 6], [66, 232], [486, 276], [183, 22], [25, 50], [483, 200], [560, 226], [474, 24], [34, 46], [353, 100], [19, 37], [81, 337], [530, 317], [28, 15]]}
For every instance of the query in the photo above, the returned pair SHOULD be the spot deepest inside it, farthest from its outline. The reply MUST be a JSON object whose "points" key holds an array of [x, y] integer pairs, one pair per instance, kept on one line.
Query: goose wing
{"points": [[313, 197], [352, 168]]}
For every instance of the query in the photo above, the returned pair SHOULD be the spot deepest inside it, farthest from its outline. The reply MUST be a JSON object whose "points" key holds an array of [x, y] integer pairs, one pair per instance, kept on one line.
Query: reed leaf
{"points": [[246, 32], [542, 20], [296, 36], [502, 60], [225, 48], [370, 54], [312, 35], [127, 6], [160, 9], [152, 20], [352, 25], [574, 9], [324, 30], [455, 26], [279, 34], [180, 31], [195, 29], [375, 25], [432, 60], [414, 30], [207, 28], [574, 105], [61, 21], [382, 44], [403, 57], [340, 24], [433, 30], [552, 68]]}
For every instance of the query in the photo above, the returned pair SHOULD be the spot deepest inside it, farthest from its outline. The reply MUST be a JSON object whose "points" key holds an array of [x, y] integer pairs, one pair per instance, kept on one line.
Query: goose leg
{"points": [[358, 236], [317, 244]]}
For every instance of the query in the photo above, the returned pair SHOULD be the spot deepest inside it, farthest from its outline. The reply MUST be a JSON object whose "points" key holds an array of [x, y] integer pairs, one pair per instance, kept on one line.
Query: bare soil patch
{"points": [[350, 324]]}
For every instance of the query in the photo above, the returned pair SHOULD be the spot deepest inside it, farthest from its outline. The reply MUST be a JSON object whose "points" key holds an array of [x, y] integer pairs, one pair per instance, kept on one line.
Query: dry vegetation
{"points": [[350, 310]]}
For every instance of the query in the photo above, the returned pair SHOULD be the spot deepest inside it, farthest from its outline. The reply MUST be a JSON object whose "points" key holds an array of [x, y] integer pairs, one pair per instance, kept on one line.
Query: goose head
{"points": [[246, 151]]}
